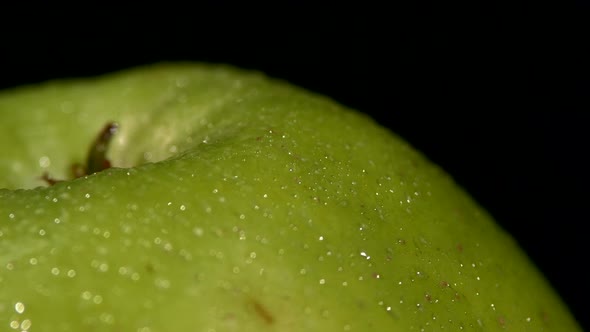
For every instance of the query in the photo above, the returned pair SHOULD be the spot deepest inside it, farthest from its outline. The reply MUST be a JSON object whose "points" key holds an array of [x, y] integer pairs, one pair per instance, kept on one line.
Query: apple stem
{"points": [[97, 160]]}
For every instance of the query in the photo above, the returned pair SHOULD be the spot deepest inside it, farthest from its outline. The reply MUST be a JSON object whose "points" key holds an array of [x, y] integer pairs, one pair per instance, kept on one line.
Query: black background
{"points": [[496, 95]]}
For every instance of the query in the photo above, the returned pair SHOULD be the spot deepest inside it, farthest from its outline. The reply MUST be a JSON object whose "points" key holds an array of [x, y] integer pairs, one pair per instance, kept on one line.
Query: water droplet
{"points": [[182, 208], [25, 325], [107, 318], [55, 271], [86, 295], [44, 162], [19, 307], [97, 299], [87, 195], [162, 283], [198, 231]]}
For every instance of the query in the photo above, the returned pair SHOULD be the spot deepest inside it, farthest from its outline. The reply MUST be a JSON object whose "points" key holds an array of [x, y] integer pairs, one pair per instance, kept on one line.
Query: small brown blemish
{"points": [[444, 284], [263, 313], [428, 297], [502, 321], [459, 247]]}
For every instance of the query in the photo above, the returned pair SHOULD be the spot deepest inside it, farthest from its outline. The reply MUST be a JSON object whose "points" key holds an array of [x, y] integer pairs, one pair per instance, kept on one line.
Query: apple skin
{"points": [[241, 203]]}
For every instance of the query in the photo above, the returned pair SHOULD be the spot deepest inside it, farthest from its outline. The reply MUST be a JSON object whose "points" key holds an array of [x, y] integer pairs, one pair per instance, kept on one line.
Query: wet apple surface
{"points": [[241, 203]]}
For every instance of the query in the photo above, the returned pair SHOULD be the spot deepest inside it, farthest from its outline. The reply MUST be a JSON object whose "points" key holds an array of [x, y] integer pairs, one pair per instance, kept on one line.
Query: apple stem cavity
{"points": [[97, 160]]}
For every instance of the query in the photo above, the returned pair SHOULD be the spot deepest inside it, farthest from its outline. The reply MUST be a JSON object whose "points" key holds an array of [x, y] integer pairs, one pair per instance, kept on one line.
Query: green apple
{"points": [[238, 202]]}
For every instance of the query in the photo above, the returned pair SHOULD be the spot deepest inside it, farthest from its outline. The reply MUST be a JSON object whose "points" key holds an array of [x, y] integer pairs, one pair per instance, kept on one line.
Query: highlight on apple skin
{"points": [[238, 202]]}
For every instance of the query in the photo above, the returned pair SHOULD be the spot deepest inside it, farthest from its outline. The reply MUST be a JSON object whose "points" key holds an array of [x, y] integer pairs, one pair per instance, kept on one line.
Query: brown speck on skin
{"points": [[263, 313], [444, 284], [428, 297], [459, 247], [502, 321]]}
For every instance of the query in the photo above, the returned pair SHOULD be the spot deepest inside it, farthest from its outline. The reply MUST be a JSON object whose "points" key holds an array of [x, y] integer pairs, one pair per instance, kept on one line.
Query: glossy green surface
{"points": [[238, 203]]}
